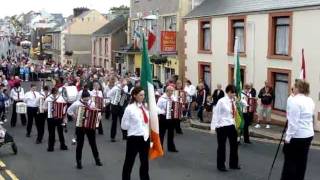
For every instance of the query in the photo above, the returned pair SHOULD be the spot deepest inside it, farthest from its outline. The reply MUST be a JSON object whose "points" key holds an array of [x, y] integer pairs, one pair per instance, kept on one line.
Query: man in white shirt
{"points": [[191, 93], [107, 89], [223, 122], [31, 98], [97, 97], [17, 94]]}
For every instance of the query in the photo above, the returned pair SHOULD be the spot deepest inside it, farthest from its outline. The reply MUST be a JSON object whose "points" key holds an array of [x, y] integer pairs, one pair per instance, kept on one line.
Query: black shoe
{"points": [[100, 133], [98, 162], [79, 165], [113, 140], [173, 150], [179, 132], [64, 147], [50, 149], [28, 135], [38, 141], [223, 169], [236, 167], [14, 148]]}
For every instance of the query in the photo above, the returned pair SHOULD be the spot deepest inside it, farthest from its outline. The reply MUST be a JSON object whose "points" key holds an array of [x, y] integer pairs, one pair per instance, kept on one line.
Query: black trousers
{"points": [[223, 133], [91, 134], [248, 118], [68, 116], [32, 113], [107, 111], [135, 145], [164, 126], [295, 158], [2, 113], [178, 126], [14, 116], [40, 123], [117, 113], [52, 125]]}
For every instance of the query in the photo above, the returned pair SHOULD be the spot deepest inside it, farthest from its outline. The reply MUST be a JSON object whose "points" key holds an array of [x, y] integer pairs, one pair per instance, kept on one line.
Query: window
{"points": [[100, 46], [237, 28], [169, 23], [242, 74], [106, 46], [94, 47], [135, 27], [205, 36], [204, 73], [280, 35], [280, 91]]}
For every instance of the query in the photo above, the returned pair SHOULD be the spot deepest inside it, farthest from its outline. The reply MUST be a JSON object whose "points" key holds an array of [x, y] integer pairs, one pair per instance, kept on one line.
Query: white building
{"points": [[272, 35]]}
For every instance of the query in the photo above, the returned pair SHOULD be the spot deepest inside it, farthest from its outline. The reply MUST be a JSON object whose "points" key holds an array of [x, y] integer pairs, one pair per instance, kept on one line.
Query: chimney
{"points": [[78, 11]]}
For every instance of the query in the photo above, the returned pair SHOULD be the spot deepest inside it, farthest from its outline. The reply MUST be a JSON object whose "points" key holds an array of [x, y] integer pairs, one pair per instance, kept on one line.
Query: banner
{"points": [[168, 42]]}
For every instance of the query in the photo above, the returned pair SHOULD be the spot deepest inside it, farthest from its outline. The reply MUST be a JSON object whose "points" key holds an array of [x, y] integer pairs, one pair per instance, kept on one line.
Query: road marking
{"points": [[13, 177], [2, 178]]}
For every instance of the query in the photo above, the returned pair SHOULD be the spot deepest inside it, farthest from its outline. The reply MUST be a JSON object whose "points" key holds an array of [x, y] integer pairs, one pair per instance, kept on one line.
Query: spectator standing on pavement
{"points": [[217, 94], [191, 94], [300, 132], [26, 72], [201, 100], [223, 122], [266, 97], [253, 91], [3, 99], [136, 121]]}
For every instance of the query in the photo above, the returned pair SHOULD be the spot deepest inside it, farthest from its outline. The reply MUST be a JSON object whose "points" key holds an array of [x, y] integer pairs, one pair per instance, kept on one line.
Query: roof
{"points": [[112, 26], [225, 7]]}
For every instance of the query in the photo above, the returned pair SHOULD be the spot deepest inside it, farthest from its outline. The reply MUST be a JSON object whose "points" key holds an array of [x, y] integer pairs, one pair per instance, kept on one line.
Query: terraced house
{"points": [[272, 34]]}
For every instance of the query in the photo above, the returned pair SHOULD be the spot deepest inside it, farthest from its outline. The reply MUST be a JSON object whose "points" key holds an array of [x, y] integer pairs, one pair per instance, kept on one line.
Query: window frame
{"points": [[201, 49], [231, 34], [272, 36]]}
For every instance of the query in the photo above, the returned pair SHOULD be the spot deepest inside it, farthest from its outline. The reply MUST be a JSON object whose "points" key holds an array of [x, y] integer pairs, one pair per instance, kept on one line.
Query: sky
{"points": [[12, 7]]}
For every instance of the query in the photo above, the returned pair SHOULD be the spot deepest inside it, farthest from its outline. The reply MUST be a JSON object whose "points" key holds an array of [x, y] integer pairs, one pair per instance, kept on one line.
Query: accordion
{"points": [[98, 101], [124, 99], [252, 102], [117, 97], [173, 110], [41, 101], [56, 110], [88, 118]]}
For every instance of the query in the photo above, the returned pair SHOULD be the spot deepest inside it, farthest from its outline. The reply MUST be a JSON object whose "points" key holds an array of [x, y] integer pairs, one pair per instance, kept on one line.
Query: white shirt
{"points": [[222, 114], [50, 98], [300, 111], [244, 101], [162, 104], [191, 91], [14, 93], [133, 121], [95, 93], [112, 92], [31, 98], [72, 110]]}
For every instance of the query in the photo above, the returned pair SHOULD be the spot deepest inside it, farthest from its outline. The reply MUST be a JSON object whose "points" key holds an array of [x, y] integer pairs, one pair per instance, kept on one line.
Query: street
{"points": [[196, 159]]}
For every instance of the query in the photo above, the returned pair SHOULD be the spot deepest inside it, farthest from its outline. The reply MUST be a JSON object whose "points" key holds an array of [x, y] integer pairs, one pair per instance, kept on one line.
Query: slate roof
{"points": [[112, 26], [225, 7]]}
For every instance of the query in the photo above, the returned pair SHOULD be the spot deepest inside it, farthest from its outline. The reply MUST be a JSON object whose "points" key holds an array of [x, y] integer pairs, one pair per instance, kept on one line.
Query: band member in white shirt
{"points": [[85, 126], [166, 123], [42, 116], [17, 94], [31, 98], [223, 122], [107, 88], [300, 132], [191, 93], [136, 121], [97, 96], [56, 107], [118, 104]]}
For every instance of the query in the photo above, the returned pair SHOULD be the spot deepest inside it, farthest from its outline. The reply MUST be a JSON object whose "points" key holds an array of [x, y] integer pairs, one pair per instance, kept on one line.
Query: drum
{"points": [[70, 93], [21, 108]]}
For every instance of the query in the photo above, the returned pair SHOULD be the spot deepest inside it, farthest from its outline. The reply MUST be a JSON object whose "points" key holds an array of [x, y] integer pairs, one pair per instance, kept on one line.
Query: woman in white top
{"points": [[136, 121], [299, 134], [223, 122]]}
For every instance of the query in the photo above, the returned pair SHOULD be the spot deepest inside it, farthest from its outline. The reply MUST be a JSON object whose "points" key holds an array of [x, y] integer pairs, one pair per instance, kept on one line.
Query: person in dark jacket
{"points": [[217, 94], [266, 97], [201, 100]]}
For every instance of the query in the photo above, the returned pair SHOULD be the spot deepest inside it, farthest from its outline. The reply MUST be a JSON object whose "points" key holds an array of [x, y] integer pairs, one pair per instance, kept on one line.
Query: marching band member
{"points": [[136, 121], [69, 92], [31, 98], [42, 116], [300, 132], [107, 88], [17, 94], [85, 125], [249, 103], [97, 97], [165, 118], [180, 99], [223, 122], [119, 96], [56, 107], [191, 93]]}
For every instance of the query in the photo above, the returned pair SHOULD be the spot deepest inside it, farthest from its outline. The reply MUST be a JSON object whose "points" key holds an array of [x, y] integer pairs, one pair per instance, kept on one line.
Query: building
{"points": [[272, 35], [165, 23], [74, 37], [106, 40]]}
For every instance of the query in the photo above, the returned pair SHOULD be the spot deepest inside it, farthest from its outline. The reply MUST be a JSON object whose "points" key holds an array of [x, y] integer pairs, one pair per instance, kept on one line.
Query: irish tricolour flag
{"points": [[147, 84]]}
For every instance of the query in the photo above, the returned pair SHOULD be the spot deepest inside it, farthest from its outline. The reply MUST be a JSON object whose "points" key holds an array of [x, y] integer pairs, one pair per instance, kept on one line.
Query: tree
{"points": [[120, 10]]}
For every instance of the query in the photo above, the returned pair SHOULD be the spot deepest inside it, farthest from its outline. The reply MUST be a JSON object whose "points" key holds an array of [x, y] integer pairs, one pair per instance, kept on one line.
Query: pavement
{"points": [[274, 133]]}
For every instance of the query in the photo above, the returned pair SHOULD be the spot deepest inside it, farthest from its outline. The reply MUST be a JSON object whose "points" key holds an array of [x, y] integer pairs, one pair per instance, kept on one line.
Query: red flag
{"points": [[151, 39], [303, 67]]}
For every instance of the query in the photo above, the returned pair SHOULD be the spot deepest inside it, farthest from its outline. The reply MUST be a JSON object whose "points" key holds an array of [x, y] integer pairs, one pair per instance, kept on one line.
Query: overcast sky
{"points": [[12, 7]]}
